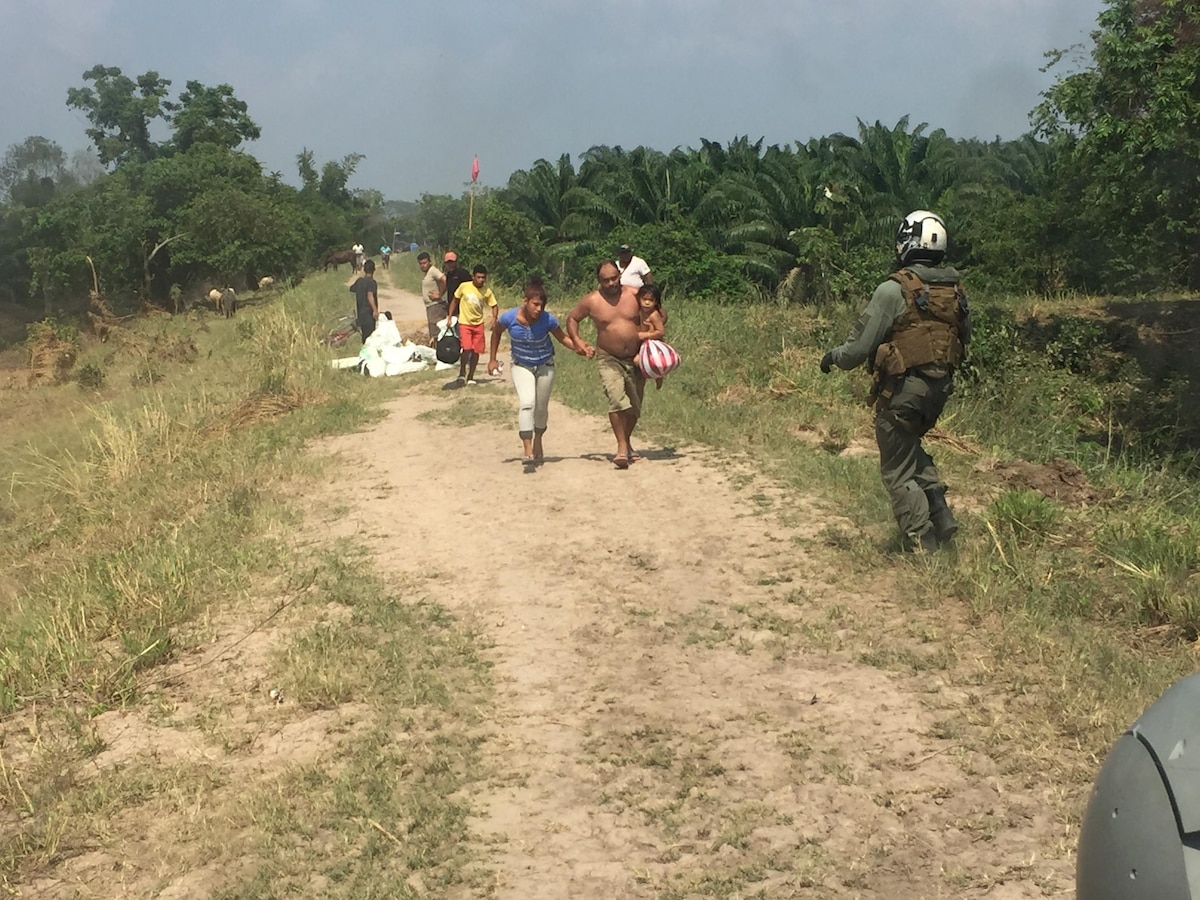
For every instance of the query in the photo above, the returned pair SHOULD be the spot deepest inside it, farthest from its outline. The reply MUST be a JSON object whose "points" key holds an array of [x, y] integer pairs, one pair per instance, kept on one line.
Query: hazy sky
{"points": [[419, 89]]}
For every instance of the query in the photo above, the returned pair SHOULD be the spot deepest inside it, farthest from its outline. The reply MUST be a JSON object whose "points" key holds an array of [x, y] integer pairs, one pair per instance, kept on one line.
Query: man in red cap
{"points": [[455, 274]]}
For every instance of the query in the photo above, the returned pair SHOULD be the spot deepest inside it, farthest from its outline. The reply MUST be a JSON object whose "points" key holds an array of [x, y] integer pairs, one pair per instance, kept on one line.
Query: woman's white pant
{"points": [[533, 397]]}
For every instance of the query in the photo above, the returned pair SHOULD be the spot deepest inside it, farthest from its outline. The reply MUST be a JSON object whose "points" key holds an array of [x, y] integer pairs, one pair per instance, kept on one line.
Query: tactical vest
{"points": [[927, 335]]}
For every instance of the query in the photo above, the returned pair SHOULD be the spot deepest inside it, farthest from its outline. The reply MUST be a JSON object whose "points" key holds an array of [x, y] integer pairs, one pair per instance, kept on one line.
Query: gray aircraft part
{"points": [[1141, 832]]}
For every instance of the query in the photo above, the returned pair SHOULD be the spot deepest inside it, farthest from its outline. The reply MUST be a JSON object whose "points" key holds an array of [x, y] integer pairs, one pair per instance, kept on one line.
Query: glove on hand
{"points": [[827, 362]]}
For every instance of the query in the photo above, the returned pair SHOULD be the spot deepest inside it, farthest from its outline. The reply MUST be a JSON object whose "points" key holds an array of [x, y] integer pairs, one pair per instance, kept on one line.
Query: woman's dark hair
{"points": [[654, 291]]}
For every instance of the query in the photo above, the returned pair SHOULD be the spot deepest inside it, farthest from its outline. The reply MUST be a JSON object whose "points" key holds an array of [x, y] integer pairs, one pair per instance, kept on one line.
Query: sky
{"points": [[420, 89]]}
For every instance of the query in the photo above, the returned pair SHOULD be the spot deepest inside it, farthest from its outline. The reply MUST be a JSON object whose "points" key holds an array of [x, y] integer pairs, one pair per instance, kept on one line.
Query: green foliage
{"points": [[438, 220], [1107, 201], [185, 211], [33, 171], [995, 343], [121, 111], [683, 262], [828, 271], [106, 221], [503, 240], [1133, 122], [1077, 343], [210, 115], [90, 377]]}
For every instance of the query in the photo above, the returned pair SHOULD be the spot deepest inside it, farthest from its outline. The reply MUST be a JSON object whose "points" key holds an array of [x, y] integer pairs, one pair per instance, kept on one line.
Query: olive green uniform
{"points": [[907, 408]]}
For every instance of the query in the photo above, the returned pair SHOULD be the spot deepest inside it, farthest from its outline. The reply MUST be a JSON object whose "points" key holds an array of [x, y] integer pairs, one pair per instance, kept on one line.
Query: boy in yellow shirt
{"points": [[467, 303]]}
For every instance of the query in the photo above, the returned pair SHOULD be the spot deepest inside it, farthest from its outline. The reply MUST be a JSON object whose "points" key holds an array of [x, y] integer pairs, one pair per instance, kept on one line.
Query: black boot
{"points": [[944, 524], [926, 542]]}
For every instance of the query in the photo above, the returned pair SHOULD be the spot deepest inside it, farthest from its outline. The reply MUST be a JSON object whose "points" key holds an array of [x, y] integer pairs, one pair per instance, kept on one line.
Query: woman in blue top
{"points": [[529, 328]]}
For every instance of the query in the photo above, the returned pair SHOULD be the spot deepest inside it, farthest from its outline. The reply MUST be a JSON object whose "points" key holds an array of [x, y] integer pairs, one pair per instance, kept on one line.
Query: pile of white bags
{"points": [[385, 352]]}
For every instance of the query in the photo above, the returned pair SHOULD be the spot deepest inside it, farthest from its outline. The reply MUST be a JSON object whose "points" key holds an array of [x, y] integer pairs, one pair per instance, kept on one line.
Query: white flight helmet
{"points": [[921, 237]]}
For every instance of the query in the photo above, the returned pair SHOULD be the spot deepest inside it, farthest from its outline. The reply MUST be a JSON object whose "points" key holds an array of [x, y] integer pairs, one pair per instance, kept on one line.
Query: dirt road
{"points": [[679, 712]]}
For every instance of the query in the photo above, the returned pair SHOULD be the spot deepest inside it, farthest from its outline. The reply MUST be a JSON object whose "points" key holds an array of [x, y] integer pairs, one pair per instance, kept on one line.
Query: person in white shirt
{"points": [[633, 269]]}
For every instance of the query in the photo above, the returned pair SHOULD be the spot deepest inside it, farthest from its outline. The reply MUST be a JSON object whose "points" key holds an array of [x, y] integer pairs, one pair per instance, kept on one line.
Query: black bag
{"points": [[449, 348]]}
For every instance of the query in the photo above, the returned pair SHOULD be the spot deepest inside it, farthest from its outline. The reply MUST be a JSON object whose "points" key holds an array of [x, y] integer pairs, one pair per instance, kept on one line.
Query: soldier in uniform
{"points": [[912, 335]]}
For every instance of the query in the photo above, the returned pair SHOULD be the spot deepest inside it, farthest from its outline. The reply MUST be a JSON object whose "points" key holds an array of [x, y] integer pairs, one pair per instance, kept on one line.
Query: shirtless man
{"points": [[613, 309]]}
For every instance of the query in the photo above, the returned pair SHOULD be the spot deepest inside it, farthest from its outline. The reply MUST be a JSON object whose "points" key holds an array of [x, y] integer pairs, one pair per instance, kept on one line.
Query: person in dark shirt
{"points": [[455, 274], [366, 295]]}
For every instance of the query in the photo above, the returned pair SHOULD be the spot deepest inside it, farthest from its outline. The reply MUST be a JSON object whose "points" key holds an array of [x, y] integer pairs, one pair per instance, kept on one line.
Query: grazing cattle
{"points": [[265, 282], [337, 257], [228, 302], [215, 296]]}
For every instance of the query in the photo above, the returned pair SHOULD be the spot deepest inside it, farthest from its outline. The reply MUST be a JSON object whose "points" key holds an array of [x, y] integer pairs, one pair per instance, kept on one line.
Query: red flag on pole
{"points": [[475, 169]]}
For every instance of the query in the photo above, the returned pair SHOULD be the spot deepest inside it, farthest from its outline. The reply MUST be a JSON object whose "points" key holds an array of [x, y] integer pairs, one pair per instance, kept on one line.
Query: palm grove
{"points": [[1101, 195]]}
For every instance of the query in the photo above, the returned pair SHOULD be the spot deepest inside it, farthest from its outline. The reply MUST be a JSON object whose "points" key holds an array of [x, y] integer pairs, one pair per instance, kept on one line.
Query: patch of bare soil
{"points": [[679, 714], [1060, 480]]}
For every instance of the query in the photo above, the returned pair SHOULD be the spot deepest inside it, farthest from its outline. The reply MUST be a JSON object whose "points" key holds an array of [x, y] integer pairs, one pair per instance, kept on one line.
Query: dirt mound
{"points": [[1060, 480], [50, 357], [420, 338], [177, 348]]}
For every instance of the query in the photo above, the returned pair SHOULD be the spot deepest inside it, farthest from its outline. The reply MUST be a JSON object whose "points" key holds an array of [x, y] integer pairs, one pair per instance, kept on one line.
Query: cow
{"points": [[337, 257], [228, 302], [265, 282]]}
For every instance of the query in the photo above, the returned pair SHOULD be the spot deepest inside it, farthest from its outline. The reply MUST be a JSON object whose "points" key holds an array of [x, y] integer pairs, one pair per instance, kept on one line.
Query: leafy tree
{"points": [[239, 236], [104, 221], [334, 178], [33, 171], [547, 193], [438, 219], [502, 239], [1132, 123], [121, 111], [210, 115], [16, 226]]}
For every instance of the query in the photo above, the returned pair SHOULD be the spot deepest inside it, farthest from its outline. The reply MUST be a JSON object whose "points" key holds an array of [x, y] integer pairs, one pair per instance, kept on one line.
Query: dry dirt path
{"points": [[677, 713]]}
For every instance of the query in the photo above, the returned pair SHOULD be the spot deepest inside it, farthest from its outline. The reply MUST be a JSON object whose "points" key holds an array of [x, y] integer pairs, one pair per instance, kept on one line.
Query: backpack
{"points": [[449, 348]]}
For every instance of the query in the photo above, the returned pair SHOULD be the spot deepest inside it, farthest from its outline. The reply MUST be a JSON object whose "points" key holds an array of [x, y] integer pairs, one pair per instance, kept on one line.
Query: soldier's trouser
{"points": [[907, 471]]}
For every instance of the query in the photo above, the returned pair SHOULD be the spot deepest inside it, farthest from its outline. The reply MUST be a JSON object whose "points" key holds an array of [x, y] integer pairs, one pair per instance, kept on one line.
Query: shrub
{"points": [[683, 262], [1077, 343], [90, 377]]}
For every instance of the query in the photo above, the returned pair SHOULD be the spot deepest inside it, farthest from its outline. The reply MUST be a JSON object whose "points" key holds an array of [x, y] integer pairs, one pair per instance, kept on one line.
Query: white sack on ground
{"points": [[385, 352]]}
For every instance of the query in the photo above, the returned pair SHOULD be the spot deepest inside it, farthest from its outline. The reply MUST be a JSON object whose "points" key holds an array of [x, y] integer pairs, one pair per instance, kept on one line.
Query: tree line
{"points": [[1100, 196], [160, 221]]}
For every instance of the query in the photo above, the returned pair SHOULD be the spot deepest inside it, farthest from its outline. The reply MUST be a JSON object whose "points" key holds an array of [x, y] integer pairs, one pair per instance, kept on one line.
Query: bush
{"points": [[683, 262], [90, 377], [1077, 344], [995, 343], [503, 240]]}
